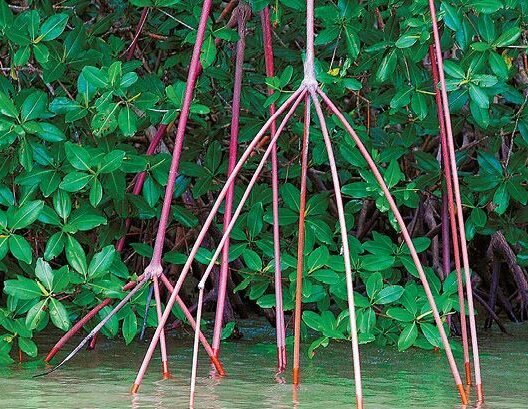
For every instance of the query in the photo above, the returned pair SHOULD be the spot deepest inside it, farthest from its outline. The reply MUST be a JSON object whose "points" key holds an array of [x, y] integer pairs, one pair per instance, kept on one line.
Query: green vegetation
{"points": [[75, 123]]}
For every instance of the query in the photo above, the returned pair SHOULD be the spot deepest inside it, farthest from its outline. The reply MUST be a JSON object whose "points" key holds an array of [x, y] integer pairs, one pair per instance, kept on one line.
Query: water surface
{"points": [[413, 379]]}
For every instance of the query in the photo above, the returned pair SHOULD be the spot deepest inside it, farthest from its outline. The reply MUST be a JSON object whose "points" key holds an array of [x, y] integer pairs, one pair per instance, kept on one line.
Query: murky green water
{"points": [[415, 379]]}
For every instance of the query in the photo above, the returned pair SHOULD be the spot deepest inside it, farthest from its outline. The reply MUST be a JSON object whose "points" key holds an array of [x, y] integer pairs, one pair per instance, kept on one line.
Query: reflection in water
{"points": [[414, 379]]}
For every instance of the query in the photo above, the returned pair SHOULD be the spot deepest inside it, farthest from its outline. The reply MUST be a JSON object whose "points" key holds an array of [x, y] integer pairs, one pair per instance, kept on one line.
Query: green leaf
{"points": [[75, 181], [400, 314], [112, 325], [313, 320], [517, 191], [7, 107], [20, 248], [498, 65], [95, 77], [487, 6], [432, 334], [356, 190], [454, 70], [389, 294], [86, 219], [386, 67], [374, 284], [267, 301], [402, 98], [419, 105], [393, 174], [226, 33], [50, 133], [130, 327], [101, 261], [377, 262], [62, 204], [478, 95], [290, 195], [317, 258], [406, 40], [36, 314], [320, 342], [208, 53], [114, 73], [96, 192], [78, 156], [6, 16], [127, 121], [407, 337], [151, 191], [54, 246], [508, 37], [478, 216], [76, 256], [34, 106], [28, 346], [255, 220], [252, 260], [353, 43], [480, 115], [22, 288], [59, 316], [452, 17], [53, 27], [41, 53], [228, 329], [44, 273], [25, 215], [22, 55], [112, 161]]}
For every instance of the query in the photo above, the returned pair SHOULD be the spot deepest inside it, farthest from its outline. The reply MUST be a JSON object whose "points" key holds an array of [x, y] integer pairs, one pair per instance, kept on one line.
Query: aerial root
{"points": [[406, 236], [293, 99]]}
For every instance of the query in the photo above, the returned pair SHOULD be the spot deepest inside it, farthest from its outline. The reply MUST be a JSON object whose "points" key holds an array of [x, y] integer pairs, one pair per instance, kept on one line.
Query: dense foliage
{"points": [[75, 120]]}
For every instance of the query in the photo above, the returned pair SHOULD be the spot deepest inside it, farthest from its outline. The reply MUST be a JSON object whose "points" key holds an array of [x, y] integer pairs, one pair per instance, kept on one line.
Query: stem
{"points": [[225, 236], [218, 366], [446, 242], [139, 29], [300, 245], [163, 346], [458, 201], [195, 348], [408, 241], [98, 326], [242, 13], [309, 73], [279, 310], [452, 216], [194, 69], [294, 97], [73, 330], [494, 286], [145, 318], [140, 179], [346, 252]]}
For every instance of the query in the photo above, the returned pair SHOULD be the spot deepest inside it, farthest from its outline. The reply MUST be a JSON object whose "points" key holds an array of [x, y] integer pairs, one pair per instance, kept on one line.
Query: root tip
{"points": [[480, 393], [296, 376], [462, 392], [165, 370], [51, 354], [218, 365], [359, 403], [134, 389]]}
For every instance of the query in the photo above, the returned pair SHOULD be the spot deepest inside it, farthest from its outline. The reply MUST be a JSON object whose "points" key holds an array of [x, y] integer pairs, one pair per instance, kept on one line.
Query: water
{"points": [[414, 379]]}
